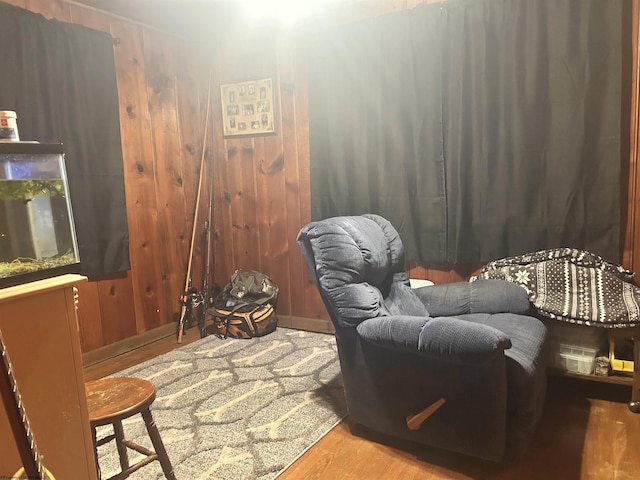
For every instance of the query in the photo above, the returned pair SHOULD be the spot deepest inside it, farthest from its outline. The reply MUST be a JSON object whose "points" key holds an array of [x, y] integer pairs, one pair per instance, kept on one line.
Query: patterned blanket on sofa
{"points": [[573, 286]]}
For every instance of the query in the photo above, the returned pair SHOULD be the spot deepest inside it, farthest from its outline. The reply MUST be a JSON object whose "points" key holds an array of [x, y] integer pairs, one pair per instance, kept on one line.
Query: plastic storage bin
{"points": [[576, 359], [574, 348]]}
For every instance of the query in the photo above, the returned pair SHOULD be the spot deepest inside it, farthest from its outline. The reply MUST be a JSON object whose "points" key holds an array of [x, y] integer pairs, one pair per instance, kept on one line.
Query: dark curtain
{"points": [[60, 79], [374, 108], [532, 126], [480, 128]]}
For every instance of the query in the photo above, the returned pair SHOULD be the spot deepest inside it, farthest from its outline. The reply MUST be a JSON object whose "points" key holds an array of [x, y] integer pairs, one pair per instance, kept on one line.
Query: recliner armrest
{"points": [[462, 340], [449, 339], [481, 296]]}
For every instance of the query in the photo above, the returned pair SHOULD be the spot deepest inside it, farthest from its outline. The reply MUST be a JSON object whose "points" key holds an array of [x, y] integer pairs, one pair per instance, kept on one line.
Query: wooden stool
{"points": [[110, 400]]}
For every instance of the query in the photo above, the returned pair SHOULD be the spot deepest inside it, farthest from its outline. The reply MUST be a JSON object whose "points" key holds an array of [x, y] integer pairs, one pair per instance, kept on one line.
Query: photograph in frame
{"points": [[248, 108]]}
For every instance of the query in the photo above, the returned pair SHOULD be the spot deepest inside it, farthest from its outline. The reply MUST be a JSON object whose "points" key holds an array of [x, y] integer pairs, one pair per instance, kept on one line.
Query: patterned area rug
{"points": [[236, 409]]}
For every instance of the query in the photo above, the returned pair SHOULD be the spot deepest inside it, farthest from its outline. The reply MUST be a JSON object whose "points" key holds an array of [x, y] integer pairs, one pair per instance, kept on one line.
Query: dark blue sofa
{"points": [[468, 350]]}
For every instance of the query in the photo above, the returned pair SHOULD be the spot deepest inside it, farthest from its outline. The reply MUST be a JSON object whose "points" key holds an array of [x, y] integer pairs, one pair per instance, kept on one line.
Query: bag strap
{"points": [[227, 317]]}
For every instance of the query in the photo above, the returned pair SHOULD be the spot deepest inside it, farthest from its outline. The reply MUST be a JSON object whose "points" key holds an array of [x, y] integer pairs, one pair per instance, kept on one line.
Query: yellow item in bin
{"points": [[618, 365]]}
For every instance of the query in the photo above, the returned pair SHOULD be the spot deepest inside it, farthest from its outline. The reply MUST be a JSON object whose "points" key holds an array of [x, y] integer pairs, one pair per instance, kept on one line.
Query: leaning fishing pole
{"points": [[190, 296], [206, 273], [205, 300]]}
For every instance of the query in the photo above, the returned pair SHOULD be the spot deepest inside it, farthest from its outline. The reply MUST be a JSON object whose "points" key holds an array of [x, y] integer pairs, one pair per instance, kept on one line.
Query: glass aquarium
{"points": [[37, 234]]}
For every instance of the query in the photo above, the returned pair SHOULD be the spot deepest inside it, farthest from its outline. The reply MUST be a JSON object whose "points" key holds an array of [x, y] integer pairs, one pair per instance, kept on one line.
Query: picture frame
{"points": [[248, 108]]}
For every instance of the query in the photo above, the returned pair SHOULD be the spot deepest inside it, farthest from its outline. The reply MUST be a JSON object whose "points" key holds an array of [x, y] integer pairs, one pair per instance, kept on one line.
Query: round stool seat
{"points": [[115, 398], [109, 401]]}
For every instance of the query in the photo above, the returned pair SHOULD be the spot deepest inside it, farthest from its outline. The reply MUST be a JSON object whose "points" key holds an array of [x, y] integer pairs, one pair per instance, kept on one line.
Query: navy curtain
{"points": [[60, 79], [480, 128]]}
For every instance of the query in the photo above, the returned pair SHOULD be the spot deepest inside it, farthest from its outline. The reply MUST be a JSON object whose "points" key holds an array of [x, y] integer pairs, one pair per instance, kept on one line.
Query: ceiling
{"points": [[203, 19], [188, 18]]}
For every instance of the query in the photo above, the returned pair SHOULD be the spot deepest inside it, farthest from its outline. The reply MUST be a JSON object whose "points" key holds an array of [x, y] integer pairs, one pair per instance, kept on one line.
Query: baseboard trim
{"points": [[303, 323], [127, 345], [138, 341]]}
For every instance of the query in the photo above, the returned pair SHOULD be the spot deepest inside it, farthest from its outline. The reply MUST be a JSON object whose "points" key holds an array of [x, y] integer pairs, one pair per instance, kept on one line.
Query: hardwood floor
{"points": [[587, 432]]}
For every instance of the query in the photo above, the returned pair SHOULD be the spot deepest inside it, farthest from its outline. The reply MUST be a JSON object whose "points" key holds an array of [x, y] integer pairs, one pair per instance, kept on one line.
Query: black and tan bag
{"points": [[246, 306]]}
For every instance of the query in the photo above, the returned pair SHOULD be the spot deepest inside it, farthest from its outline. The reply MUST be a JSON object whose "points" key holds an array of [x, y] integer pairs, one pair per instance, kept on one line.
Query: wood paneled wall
{"points": [[261, 184], [162, 87]]}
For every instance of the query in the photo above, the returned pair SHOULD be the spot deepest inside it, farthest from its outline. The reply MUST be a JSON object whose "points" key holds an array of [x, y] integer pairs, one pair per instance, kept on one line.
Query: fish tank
{"points": [[37, 233]]}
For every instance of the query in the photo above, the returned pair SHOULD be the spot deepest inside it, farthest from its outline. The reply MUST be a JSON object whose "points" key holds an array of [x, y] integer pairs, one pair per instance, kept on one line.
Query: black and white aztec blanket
{"points": [[573, 286]]}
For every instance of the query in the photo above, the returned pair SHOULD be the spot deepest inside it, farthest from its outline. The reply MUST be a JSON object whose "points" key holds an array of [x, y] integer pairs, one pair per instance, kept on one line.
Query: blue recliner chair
{"points": [[457, 366]]}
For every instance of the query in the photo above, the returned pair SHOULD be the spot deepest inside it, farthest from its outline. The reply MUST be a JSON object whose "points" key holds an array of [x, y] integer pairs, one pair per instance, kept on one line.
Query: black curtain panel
{"points": [[532, 126], [60, 79], [480, 128], [375, 115]]}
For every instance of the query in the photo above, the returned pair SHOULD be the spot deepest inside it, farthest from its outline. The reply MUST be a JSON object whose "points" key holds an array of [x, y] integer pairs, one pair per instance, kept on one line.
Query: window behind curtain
{"points": [[60, 79], [479, 128], [375, 126], [532, 126]]}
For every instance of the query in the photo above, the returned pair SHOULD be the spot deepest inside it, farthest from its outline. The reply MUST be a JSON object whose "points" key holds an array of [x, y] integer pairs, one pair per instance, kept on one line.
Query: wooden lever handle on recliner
{"points": [[414, 422]]}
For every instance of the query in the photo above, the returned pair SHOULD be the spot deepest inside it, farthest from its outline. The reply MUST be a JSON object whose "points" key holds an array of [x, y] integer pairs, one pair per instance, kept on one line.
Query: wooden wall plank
{"points": [[287, 118], [312, 306], [273, 218], [88, 17], [231, 219], [139, 173], [192, 109], [222, 192], [271, 178], [265, 261], [247, 233], [89, 316], [173, 231], [235, 187], [116, 308], [57, 9]]}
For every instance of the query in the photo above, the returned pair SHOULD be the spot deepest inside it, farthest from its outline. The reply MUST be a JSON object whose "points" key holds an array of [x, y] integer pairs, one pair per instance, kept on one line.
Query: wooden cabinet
{"points": [[40, 329]]}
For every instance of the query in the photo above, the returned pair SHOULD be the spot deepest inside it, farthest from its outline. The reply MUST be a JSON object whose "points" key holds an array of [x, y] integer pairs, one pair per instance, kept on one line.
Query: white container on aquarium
{"points": [[37, 233], [9, 126]]}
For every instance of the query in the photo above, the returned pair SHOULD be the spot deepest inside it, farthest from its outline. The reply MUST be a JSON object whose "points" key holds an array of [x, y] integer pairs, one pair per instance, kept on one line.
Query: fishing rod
{"points": [[206, 296], [190, 296]]}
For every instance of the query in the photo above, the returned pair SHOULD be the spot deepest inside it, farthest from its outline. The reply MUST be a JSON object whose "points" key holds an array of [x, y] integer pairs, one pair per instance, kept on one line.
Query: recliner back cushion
{"points": [[359, 263]]}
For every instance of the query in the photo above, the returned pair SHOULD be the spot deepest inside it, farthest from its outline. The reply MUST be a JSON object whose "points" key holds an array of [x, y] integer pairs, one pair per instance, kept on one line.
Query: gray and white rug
{"points": [[236, 409]]}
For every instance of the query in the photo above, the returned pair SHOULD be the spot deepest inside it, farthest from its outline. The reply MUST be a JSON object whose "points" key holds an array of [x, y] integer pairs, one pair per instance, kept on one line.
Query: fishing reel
{"points": [[191, 298]]}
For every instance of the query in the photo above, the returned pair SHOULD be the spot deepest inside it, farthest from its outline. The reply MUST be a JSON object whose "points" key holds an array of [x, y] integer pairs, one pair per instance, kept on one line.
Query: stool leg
{"points": [[122, 448], [95, 449], [154, 434]]}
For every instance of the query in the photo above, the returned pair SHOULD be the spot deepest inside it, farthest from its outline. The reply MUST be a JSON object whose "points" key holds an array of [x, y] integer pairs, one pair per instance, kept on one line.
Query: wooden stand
{"points": [[634, 404], [40, 328]]}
